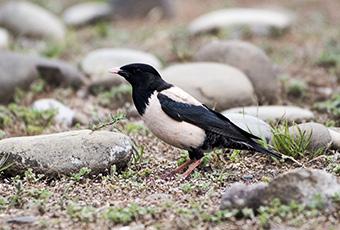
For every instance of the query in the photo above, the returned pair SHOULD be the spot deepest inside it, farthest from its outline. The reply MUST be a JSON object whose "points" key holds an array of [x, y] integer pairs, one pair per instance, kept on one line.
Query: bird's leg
{"points": [[191, 168], [181, 168]]}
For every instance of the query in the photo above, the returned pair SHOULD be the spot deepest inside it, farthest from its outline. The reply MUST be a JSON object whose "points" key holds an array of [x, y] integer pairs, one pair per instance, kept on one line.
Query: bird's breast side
{"points": [[179, 134]]}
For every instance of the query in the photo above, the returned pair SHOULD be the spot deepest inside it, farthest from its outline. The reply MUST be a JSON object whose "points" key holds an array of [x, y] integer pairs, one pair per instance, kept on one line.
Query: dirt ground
{"points": [[138, 196]]}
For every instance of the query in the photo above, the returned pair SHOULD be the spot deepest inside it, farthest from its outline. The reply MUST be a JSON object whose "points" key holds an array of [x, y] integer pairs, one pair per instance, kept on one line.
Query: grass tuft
{"points": [[288, 144]]}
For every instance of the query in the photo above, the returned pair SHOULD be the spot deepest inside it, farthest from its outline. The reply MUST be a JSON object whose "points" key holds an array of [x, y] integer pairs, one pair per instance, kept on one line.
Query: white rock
{"points": [[28, 19], [98, 62], [275, 112], [250, 59], [65, 115], [335, 135], [216, 85], [260, 21], [4, 38], [250, 124], [85, 13]]}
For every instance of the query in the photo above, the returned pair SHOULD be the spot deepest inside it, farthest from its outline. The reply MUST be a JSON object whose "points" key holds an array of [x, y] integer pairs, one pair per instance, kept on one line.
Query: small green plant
{"points": [[17, 199], [187, 187], [116, 97], [38, 86], [134, 128], [277, 209], [330, 57], [138, 153], [40, 194], [5, 117], [53, 50], [331, 106], [3, 203], [296, 88], [182, 158], [290, 144], [35, 121], [81, 213], [336, 169], [31, 177], [336, 197], [4, 163], [126, 215], [83, 172], [102, 29], [112, 120], [235, 155]]}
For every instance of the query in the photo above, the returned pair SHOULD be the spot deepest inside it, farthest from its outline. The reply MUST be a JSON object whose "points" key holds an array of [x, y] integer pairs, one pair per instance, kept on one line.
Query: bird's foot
{"points": [[191, 168], [179, 169]]}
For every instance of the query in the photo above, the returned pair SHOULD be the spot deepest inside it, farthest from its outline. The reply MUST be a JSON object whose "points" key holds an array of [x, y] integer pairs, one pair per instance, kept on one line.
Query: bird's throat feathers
{"points": [[141, 95]]}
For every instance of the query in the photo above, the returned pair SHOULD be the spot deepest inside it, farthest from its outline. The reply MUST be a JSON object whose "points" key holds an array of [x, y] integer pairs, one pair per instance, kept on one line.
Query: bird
{"points": [[180, 120]]}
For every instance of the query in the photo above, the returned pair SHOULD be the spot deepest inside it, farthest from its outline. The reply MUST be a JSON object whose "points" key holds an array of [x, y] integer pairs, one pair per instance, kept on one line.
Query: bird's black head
{"points": [[140, 76], [145, 80]]}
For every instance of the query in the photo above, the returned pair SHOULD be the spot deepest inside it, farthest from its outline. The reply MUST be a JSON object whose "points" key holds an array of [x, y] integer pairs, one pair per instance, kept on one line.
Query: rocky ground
{"points": [[274, 71]]}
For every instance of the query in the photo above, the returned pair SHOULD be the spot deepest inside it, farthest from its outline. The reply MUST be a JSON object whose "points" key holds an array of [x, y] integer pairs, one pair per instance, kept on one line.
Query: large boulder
{"points": [[28, 19], [68, 152], [248, 58], [216, 85]]}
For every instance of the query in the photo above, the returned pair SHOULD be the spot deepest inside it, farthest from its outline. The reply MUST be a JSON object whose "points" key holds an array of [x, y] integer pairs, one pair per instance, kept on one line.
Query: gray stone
{"points": [[64, 114], [28, 19], [240, 195], [22, 220], [60, 73], [320, 138], [258, 21], [275, 112], [139, 9], [303, 185], [86, 13], [214, 84], [98, 62], [16, 71], [300, 185], [250, 124], [20, 70], [335, 135], [248, 58], [4, 39], [68, 152]]}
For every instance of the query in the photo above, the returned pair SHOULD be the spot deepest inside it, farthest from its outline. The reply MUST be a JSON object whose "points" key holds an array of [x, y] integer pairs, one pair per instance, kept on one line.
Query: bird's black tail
{"points": [[270, 152]]}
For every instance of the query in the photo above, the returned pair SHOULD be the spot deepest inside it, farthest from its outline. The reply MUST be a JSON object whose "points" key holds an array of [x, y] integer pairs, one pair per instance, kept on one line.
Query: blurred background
{"points": [[272, 67]]}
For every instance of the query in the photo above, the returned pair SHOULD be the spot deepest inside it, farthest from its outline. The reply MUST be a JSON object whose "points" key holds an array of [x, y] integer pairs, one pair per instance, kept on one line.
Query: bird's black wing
{"points": [[204, 118]]}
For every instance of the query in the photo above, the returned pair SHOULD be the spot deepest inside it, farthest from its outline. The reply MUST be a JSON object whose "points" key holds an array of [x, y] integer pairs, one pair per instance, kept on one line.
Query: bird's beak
{"points": [[115, 70]]}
